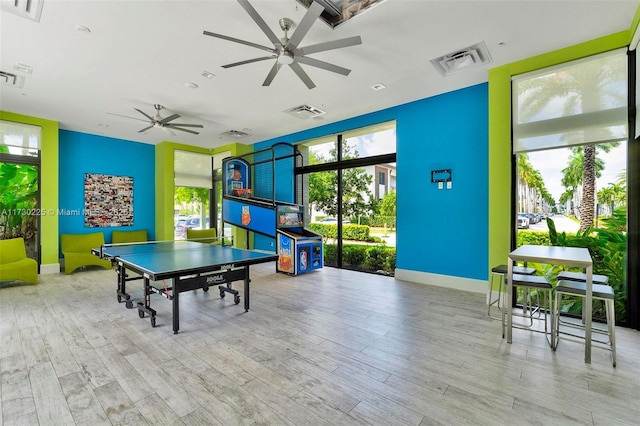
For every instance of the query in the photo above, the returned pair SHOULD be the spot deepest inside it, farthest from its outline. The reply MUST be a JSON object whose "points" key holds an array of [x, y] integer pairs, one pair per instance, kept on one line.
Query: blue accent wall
{"points": [[438, 231], [82, 153], [444, 231]]}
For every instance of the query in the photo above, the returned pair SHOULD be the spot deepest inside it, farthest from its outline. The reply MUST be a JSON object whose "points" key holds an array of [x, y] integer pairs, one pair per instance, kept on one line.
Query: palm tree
{"points": [[585, 88]]}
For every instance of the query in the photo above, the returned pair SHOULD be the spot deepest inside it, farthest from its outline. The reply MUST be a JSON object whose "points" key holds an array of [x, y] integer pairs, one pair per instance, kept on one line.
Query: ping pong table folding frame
{"points": [[203, 277]]}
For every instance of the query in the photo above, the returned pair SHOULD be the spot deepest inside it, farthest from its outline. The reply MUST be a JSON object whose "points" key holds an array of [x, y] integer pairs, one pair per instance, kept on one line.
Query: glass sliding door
{"points": [[192, 192]]}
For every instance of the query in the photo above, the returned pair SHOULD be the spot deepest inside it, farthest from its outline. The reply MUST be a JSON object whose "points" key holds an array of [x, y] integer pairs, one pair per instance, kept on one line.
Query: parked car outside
{"points": [[190, 222], [333, 220], [523, 221]]}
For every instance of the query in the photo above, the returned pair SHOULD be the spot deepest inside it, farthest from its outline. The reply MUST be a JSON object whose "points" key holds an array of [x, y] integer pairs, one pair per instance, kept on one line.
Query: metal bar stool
{"points": [[599, 292], [581, 276], [501, 272], [540, 284]]}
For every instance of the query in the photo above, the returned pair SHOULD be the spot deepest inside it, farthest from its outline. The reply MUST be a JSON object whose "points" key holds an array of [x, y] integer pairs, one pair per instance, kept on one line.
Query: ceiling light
{"points": [[207, 74], [83, 29], [190, 85], [103, 125], [378, 86]]}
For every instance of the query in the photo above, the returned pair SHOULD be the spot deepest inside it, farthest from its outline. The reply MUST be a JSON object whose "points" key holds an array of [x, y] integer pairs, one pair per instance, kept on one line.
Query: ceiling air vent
{"points": [[30, 9], [235, 134], [9, 79], [470, 57], [305, 111]]}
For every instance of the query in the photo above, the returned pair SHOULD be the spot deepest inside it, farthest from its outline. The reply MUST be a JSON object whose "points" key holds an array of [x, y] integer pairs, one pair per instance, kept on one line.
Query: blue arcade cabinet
{"points": [[300, 249]]}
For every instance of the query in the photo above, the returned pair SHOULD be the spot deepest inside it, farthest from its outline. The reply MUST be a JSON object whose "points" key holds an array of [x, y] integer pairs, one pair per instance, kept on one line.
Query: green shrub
{"points": [[608, 248], [349, 231], [536, 238], [362, 257]]}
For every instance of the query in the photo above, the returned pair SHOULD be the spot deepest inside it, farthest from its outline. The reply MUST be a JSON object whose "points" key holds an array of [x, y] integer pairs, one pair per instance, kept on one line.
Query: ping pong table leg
{"points": [[121, 292], [246, 288], [145, 308], [176, 306]]}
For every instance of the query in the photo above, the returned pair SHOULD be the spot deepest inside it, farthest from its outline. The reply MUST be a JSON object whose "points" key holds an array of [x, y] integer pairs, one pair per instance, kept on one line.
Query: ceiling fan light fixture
{"points": [[285, 58]]}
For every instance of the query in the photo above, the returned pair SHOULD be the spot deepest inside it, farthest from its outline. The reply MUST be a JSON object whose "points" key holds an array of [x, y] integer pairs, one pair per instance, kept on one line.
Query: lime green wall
{"points": [[48, 181], [164, 185], [500, 132]]}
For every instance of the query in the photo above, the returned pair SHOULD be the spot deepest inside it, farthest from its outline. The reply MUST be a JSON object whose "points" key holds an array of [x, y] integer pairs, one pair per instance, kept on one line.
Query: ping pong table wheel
{"points": [[236, 299], [153, 322], [140, 313], [129, 304]]}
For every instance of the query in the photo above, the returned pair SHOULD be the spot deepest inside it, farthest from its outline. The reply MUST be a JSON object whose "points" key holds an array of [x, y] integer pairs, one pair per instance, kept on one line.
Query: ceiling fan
{"points": [[285, 51], [163, 123]]}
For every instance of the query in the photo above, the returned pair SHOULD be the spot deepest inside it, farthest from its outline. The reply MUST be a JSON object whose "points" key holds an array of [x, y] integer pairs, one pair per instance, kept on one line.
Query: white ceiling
{"points": [[142, 52]]}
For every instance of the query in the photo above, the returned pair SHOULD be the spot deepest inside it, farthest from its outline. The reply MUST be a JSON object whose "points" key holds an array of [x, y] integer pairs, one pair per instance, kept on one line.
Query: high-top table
{"points": [[567, 256]]}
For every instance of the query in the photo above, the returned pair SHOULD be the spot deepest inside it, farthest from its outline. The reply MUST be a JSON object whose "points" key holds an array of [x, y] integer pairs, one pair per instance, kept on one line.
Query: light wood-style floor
{"points": [[328, 348]]}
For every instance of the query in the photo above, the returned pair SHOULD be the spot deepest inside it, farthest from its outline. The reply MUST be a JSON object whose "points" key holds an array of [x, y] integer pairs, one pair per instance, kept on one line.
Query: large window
{"points": [[20, 183], [569, 139], [349, 188]]}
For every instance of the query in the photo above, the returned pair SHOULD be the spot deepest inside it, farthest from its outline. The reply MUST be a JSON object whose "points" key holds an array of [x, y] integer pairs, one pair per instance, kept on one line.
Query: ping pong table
{"points": [[189, 265]]}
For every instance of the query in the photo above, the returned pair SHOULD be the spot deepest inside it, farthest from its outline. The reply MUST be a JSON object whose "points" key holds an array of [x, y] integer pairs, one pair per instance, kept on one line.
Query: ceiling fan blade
{"points": [[303, 75], [258, 20], [183, 125], [145, 129], [274, 70], [305, 24], [145, 114], [322, 64], [330, 45], [182, 130], [237, 40], [126, 116], [249, 61], [169, 118]]}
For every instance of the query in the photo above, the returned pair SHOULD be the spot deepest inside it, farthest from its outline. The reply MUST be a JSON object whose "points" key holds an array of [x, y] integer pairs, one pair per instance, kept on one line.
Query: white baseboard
{"points": [[458, 283], [51, 268]]}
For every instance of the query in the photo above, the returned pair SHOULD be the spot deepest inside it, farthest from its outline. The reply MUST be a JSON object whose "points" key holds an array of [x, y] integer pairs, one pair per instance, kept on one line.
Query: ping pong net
{"points": [[142, 247]]}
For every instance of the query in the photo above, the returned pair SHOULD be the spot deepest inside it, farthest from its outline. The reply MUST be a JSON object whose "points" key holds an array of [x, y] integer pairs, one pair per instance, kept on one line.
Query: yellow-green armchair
{"points": [[76, 249], [14, 263], [120, 237], [202, 235]]}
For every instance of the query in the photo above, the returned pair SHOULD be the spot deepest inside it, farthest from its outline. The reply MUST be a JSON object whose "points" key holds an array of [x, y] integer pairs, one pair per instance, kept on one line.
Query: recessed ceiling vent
{"points": [[13, 80], [30, 9], [470, 57], [305, 111], [235, 134]]}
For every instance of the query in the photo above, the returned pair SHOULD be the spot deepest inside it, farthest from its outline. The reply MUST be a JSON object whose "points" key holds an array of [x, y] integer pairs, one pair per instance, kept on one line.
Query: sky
{"points": [[383, 142], [551, 162]]}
